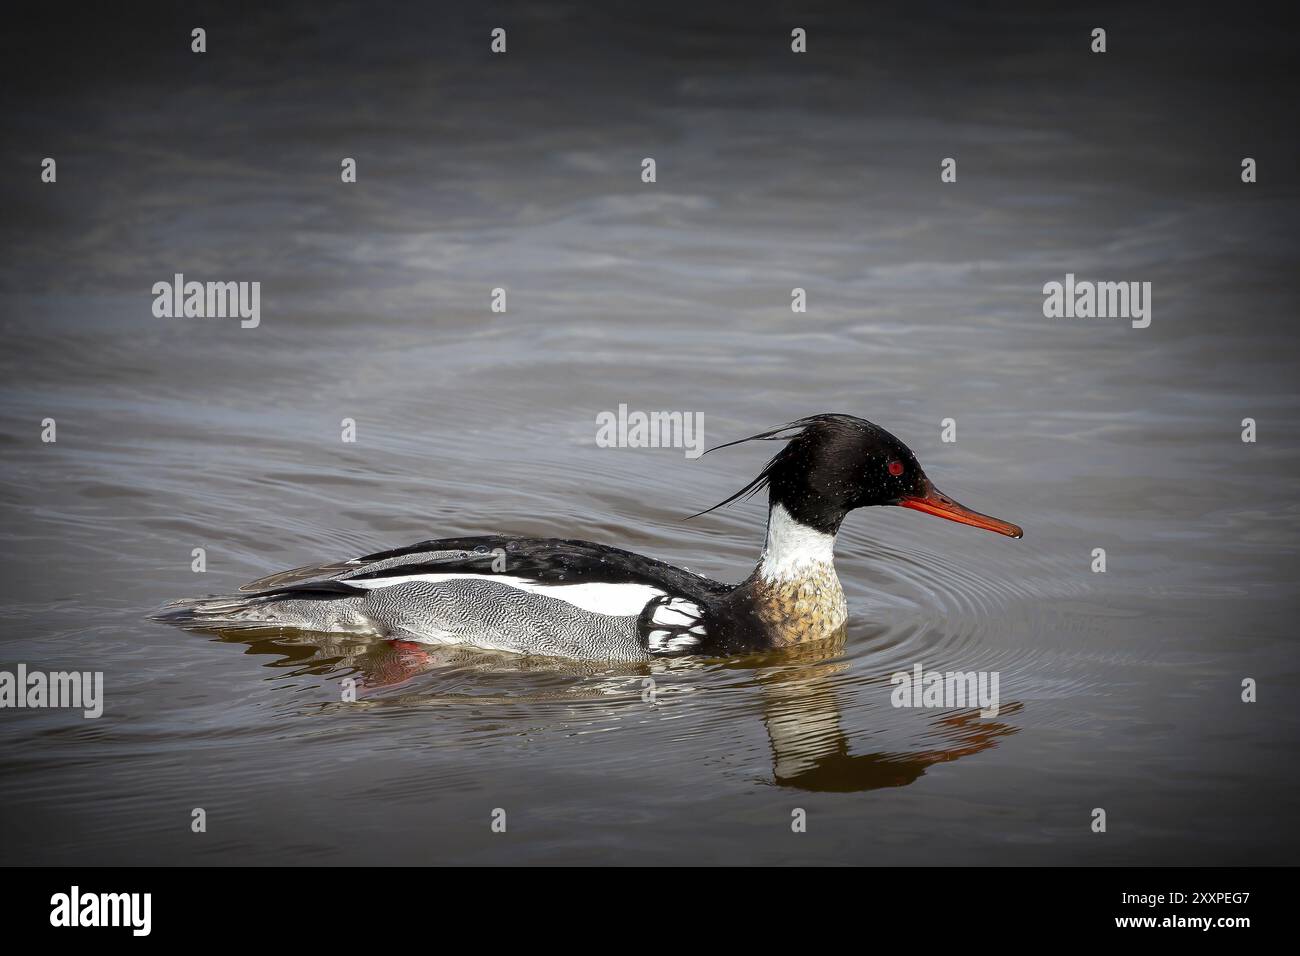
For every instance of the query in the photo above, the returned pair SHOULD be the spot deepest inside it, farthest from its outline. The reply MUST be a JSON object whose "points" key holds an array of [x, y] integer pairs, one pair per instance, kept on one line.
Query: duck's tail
{"points": [[323, 605]]}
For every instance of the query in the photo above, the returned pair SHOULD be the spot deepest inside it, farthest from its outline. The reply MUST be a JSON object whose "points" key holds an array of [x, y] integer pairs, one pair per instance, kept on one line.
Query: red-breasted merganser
{"points": [[590, 601]]}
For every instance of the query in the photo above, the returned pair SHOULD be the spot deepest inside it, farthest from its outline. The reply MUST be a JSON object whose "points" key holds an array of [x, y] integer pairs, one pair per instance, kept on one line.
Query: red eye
{"points": [[895, 468]]}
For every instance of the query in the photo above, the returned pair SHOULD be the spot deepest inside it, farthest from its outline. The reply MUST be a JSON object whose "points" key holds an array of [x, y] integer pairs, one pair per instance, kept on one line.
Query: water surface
{"points": [[1120, 690]]}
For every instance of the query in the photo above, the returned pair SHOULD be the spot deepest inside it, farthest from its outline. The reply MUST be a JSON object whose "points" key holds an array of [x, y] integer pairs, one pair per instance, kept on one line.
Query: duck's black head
{"points": [[832, 464]]}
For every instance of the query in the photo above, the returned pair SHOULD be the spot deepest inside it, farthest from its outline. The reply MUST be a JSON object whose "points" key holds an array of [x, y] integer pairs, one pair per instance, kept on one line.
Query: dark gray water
{"points": [[1120, 690]]}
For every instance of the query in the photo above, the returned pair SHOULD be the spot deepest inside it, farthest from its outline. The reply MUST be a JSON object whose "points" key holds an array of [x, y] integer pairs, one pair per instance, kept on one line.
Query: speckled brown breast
{"points": [[811, 608]]}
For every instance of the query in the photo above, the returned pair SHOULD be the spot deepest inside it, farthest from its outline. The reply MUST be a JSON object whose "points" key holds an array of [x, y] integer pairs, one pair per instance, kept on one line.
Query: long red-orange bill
{"points": [[935, 502]]}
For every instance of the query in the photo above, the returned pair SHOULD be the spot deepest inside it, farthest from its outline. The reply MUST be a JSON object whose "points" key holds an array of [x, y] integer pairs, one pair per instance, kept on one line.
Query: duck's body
{"points": [[547, 596], [594, 602]]}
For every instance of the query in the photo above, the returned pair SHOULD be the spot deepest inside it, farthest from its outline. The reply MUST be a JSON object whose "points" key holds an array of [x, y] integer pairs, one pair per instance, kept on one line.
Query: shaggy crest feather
{"points": [[804, 426]]}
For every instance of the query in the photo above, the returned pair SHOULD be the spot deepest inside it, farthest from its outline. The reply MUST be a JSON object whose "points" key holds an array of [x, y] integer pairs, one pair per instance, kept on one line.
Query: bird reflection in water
{"points": [[800, 688], [810, 749]]}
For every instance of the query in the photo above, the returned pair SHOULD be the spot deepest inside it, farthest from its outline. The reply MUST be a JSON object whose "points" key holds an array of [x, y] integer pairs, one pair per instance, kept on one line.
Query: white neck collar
{"points": [[793, 550]]}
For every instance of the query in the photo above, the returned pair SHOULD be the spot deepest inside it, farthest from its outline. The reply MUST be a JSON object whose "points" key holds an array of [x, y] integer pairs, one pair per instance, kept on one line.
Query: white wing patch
{"points": [[676, 612], [616, 600], [665, 641], [677, 626]]}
